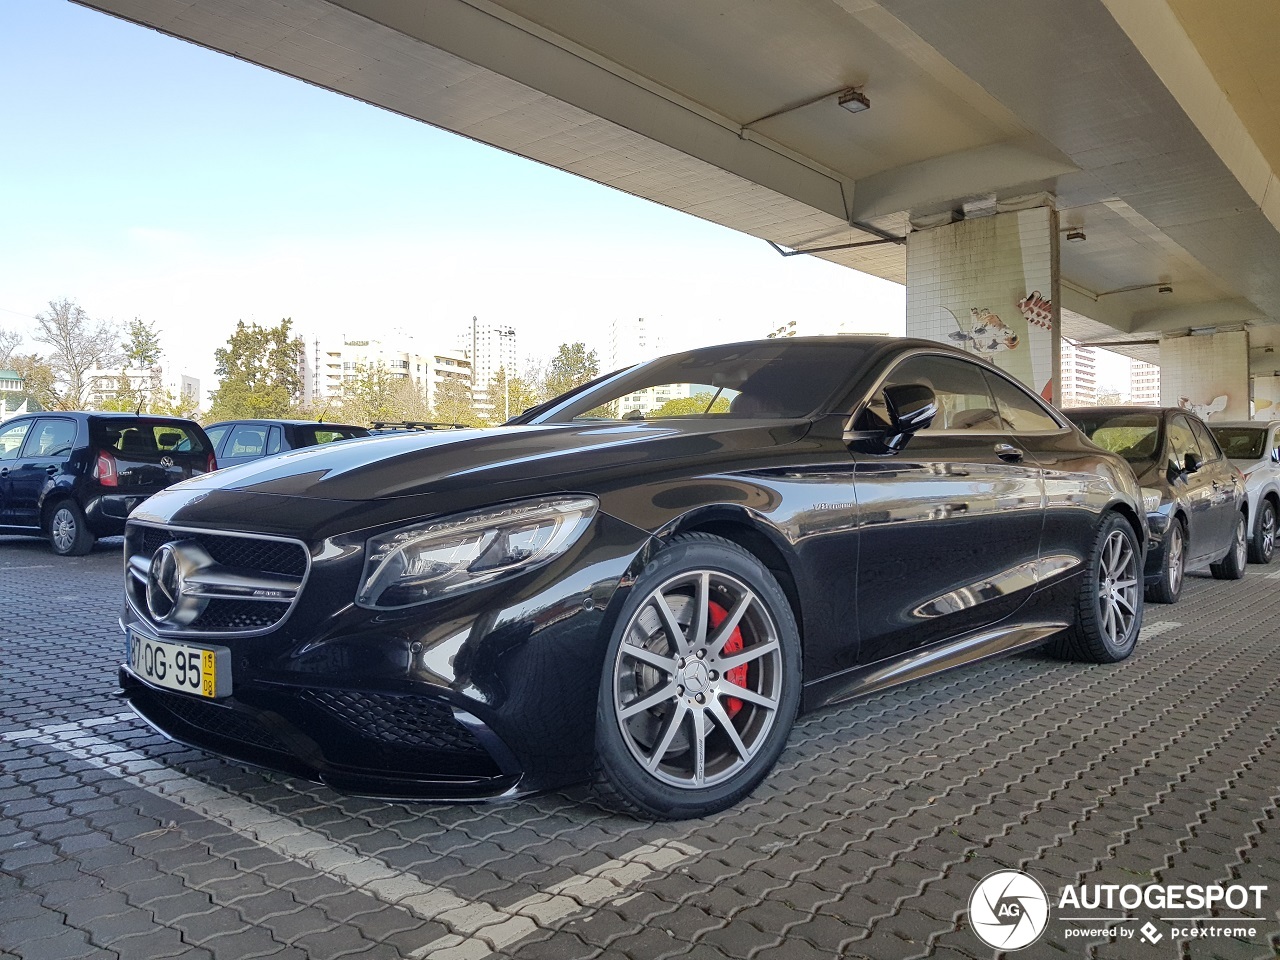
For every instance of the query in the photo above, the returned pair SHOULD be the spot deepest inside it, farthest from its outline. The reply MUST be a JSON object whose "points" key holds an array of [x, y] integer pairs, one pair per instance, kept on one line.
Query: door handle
{"points": [[4, 471], [1008, 452], [51, 469]]}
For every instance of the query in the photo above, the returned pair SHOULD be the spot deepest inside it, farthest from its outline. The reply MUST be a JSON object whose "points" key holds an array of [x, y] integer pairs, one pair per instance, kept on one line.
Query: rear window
{"points": [[1242, 443], [143, 437], [311, 436], [1135, 436]]}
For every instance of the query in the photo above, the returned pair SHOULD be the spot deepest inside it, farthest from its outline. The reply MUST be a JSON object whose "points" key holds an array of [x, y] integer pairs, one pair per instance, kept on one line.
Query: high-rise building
{"points": [[1144, 383], [1079, 374], [489, 347], [148, 384], [330, 365], [631, 341]]}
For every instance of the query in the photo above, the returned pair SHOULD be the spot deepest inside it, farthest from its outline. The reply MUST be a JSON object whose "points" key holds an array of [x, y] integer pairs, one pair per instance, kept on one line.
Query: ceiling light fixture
{"points": [[1075, 235], [854, 100]]}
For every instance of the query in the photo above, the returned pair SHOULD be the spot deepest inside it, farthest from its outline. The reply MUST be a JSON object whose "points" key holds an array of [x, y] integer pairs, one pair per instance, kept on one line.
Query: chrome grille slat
{"points": [[243, 561]]}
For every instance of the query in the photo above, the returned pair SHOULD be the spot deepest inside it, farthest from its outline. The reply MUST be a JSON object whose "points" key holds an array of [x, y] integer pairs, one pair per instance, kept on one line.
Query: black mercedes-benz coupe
{"points": [[639, 582]]}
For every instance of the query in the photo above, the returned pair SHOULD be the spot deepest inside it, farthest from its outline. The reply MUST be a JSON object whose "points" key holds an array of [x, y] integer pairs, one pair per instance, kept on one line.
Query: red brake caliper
{"points": [[738, 675]]}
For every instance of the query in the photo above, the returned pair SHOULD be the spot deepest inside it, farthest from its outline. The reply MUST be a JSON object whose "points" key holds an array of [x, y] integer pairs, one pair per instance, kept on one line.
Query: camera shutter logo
{"points": [[1008, 910]]}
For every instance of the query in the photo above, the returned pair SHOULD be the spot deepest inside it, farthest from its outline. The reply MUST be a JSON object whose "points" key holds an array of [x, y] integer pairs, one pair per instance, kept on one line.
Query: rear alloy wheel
{"points": [[1109, 604], [1171, 571], [1263, 544], [1232, 566], [69, 532], [701, 682]]}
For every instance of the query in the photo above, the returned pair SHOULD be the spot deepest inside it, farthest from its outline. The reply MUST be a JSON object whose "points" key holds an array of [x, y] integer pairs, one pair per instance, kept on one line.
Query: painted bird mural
{"points": [[986, 332]]}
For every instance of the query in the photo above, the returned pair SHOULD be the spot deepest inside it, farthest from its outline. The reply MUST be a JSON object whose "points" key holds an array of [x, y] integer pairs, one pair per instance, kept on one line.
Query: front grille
{"points": [[222, 616], [246, 555], [218, 721], [402, 720], [270, 556]]}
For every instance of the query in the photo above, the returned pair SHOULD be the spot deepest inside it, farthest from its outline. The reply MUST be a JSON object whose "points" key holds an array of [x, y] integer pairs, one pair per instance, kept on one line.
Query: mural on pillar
{"points": [[1266, 398], [1207, 375], [980, 285]]}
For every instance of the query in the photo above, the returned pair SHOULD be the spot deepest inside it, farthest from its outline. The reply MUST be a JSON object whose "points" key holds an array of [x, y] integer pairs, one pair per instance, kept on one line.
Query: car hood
{"points": [[408, 465]]}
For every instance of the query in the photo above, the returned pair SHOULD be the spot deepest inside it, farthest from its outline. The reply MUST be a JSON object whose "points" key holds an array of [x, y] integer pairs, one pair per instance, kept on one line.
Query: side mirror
{"points": [[1191, 463], [911, 408]]}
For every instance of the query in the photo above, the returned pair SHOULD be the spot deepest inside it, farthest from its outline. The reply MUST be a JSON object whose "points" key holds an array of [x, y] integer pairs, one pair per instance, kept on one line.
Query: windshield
{"points": [[743, 381], [1134, 436], [1241, 443]]}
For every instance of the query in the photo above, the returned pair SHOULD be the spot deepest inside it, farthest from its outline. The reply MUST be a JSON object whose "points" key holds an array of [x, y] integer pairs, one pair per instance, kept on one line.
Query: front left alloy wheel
{"points": [[701, 682]]}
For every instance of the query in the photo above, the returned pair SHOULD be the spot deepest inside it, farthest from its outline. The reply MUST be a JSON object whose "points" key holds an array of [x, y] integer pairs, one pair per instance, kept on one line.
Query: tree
{"points": [[691, 406], [370, 396], [9, 340], [259, 372], [453, 404], [77, 345], [409, 400], [142, 348], [40, 387], [169, 404], [510, 399], [572, 366], [125, 399]]}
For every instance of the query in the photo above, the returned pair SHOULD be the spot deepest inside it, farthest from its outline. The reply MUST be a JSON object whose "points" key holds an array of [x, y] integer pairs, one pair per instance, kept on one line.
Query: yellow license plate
{"points": [[203, 671]]}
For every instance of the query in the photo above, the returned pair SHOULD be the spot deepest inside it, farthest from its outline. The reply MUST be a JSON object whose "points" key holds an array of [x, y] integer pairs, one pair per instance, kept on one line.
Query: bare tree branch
{"points": [[77, 345]]}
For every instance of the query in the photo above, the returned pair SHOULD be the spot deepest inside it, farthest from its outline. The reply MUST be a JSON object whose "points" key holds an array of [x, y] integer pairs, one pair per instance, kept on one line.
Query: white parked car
{"points": [[1254, 447]]}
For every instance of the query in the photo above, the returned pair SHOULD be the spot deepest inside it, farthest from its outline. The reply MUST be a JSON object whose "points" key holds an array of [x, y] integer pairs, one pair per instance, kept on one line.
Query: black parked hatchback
{"points": [[74, 477]]}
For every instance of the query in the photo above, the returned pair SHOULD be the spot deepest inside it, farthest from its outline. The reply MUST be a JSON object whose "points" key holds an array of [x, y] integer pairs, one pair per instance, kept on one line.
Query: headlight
{"points": [[452, 554], [1151, 499]]}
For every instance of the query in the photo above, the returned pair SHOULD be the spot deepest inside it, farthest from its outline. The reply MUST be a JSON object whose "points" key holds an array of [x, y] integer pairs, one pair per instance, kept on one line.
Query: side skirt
{"points": [[948, 655]]}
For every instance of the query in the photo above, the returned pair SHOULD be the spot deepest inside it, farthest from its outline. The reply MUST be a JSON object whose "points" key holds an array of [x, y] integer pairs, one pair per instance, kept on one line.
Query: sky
{"points": [[142, 176]]}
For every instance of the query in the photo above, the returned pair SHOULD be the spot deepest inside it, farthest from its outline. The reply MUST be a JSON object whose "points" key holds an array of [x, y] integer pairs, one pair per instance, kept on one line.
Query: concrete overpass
{"points": [[1146, 131]]}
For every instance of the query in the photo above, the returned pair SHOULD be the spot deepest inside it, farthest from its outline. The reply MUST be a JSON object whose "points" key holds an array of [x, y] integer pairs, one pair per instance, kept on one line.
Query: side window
{"points": [[1208, 445], [964, 401], [11, 438], [1181, 442], [273, 441], [247, 440], [1020, 410], [215, 435], [51, 438]]}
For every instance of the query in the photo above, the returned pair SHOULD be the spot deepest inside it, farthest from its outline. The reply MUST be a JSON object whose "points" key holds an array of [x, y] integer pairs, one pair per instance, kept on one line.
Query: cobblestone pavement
{"points": [[867, 841]]}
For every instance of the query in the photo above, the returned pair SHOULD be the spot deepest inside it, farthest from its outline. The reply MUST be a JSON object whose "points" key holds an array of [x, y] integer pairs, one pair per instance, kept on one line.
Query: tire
{"points": [[716, 693], [1174, 568], [1263, 545], [1232, 565], [1109, 603], [68, 531]]}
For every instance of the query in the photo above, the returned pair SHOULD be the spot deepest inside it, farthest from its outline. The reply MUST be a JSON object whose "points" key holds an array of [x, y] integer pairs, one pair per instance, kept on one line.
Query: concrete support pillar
{"points": [[1207, 374], [989, 285]]}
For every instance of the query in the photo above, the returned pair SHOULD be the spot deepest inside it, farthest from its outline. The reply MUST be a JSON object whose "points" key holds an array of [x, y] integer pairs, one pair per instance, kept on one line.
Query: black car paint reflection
{"points": [[896, 565]]}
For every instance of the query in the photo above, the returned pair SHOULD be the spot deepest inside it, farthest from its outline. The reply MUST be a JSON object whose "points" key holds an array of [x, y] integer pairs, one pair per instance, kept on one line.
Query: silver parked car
{"points": [[1254, 447]]}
